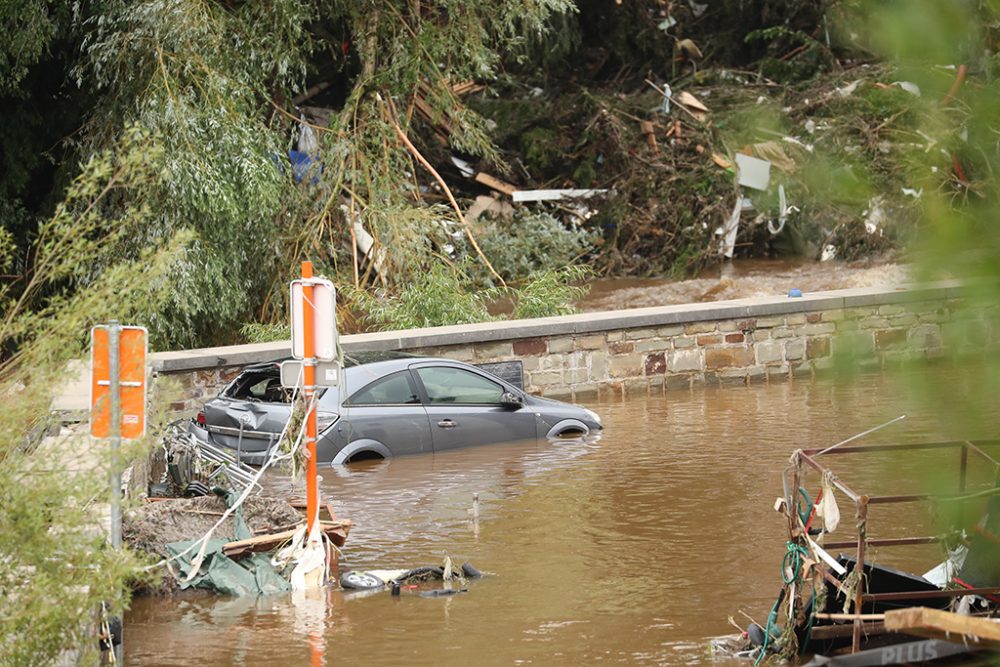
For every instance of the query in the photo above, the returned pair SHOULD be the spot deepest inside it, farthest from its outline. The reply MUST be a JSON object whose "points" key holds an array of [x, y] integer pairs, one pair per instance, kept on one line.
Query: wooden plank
{"points": [[336, 530], [841, 630], [553, 195], [823, 616], [916, 595], [496, 184], [939, 624]]}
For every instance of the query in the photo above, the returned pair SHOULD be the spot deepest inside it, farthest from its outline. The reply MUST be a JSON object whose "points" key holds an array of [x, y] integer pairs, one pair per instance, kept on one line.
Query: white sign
{"points": [[324, 299], [327, 374]]}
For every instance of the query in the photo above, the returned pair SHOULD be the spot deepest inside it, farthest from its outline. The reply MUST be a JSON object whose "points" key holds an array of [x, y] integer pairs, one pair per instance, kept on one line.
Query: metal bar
{"points": [[944, 444], [862, 434], [860, 449], [917, 595], [962, 478], [836, 482], [882, 500], [962, 466], [114, 370], [859, 567], [885, 542], [971, 445]]}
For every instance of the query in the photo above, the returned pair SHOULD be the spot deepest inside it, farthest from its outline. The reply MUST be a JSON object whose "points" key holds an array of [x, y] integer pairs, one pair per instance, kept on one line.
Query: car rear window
{"points": [[262, 386]]}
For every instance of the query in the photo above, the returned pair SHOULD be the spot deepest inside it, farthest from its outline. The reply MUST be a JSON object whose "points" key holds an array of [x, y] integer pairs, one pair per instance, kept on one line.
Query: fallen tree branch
{"points": [[390, 116]]}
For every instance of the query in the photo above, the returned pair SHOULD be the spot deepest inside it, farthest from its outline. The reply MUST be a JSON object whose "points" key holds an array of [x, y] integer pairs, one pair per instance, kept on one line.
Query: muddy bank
{"points": [[741, 279]]}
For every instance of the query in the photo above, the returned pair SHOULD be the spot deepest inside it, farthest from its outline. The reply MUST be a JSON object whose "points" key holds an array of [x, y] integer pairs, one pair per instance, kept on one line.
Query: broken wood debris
{"points": [[554, 195], [495, 183], [335, 530], [698, 110], [646, 127], [939, 624]]}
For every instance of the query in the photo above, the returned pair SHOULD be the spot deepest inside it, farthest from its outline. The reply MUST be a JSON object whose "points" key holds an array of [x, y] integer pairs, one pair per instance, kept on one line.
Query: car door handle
{"points": [[447, 423]]}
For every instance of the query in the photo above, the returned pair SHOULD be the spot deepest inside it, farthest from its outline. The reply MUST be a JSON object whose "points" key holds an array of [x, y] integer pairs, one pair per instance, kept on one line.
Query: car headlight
{"points": [[593, 415]]}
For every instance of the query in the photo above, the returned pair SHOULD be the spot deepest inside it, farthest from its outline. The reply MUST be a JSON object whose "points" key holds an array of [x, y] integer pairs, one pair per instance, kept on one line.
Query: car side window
{"points": [[395, 389], [445, 384]]}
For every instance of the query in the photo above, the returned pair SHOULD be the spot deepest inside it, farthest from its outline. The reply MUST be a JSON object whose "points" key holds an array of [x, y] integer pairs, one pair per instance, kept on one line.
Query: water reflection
{"points": [[631, 549]]}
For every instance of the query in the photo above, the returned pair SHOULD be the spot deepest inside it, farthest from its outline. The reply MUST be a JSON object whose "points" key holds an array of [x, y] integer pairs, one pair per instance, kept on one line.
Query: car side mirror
{"points": [[511, 400]]}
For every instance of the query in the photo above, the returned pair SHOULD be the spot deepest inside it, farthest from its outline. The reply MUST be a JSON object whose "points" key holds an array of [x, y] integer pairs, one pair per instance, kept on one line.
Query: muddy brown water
{"points": [[632, 549]]}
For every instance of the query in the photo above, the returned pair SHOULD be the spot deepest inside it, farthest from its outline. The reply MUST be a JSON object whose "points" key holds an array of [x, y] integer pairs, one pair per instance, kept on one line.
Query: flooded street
{"points": [[632, 549]]}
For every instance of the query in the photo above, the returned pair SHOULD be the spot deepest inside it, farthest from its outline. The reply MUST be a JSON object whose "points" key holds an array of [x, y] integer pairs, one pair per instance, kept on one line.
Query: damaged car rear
{"points": [[388, 405]]}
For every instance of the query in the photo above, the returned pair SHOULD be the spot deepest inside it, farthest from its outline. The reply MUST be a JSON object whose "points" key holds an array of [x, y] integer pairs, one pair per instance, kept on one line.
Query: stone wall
{"points": [[612, 354]]}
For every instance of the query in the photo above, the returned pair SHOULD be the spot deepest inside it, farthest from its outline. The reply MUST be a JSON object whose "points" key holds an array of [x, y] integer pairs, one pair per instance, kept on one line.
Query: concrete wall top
{"points": [[583, 323]]}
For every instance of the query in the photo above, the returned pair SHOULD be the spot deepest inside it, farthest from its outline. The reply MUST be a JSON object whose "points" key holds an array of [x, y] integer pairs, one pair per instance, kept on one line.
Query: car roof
{"points": [[350, 360]]}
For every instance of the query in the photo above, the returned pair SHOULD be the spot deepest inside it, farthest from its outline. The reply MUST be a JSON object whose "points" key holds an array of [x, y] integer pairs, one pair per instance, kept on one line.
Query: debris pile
{"points": [[829, 604]]}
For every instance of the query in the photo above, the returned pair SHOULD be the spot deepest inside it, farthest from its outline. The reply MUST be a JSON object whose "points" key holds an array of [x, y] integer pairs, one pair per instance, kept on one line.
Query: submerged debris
{"points": [[150, 527]]}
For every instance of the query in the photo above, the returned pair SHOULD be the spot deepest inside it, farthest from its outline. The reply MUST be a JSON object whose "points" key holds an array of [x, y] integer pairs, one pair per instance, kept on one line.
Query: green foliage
{"points": [[28, 27], [442, 296], [55, 567], [551, 292], [953, 161], [446, 295], [255, 332], [194, 74], [529, 241]]}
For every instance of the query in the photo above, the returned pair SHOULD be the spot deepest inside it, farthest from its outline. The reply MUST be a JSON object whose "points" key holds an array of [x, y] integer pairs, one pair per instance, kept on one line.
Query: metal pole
{"points": [[114, 332], [859, 567], [862, 434], [114, 369], [309, 371]]}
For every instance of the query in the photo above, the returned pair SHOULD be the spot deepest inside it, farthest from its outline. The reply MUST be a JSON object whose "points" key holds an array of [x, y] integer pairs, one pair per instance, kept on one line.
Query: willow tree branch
{"points": [[444, 186]]}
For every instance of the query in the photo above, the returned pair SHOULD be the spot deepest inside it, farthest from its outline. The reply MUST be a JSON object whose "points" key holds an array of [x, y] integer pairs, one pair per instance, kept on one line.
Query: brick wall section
{"points": [[657, 349]]}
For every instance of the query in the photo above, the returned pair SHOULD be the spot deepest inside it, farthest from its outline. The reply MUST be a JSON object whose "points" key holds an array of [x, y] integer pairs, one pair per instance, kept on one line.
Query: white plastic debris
{"points": [[696, 8], [942, 574], [874, 215], [910, 192], [827, 507], [307, 138], [829, 252], [849, 89], [753, 172], [667, 23], [811, 126], [463, 166], [910, 87], [798, 142], [667, 93], [784, 210], [728, 230]]}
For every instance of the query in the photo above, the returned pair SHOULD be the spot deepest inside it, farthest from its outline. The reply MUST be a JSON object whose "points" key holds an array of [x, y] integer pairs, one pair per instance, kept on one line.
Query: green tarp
{"points": [[251, 575]]}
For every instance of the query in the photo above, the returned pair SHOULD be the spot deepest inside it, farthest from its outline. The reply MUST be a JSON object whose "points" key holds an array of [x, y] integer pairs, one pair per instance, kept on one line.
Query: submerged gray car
{"points": [[389, 405]]}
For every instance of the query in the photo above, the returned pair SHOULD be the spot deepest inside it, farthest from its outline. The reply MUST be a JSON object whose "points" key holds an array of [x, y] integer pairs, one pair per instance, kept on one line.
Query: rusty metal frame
{"points": [[862, 502]]}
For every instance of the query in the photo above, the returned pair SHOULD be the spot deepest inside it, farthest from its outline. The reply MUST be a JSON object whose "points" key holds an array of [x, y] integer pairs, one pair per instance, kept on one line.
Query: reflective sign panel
{"points": [[132, 347]]}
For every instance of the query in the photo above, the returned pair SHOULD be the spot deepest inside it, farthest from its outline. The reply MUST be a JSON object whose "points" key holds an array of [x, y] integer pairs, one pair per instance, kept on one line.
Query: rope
{"points": [[795, 553], [791, 571]]}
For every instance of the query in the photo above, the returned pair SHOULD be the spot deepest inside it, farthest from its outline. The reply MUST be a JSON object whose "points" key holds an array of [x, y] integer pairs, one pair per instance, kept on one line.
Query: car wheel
{"points": [[359, 580]]}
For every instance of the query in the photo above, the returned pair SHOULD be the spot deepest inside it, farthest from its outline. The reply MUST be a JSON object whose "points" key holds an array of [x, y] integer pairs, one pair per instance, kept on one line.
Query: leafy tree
{"points": [[55, 567]]}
